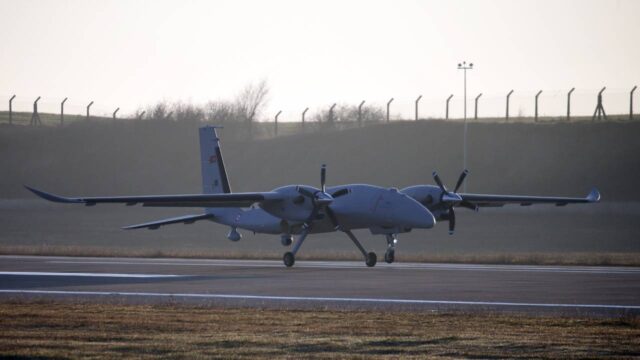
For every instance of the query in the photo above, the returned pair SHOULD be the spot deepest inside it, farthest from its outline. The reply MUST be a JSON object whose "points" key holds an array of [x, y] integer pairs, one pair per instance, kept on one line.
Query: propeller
{"points": [[451, 198], [321, 200]]}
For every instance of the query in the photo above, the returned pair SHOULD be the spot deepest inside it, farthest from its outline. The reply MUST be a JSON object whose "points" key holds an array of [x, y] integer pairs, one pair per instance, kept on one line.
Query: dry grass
{"points": [[573, 258], [66, 329]]}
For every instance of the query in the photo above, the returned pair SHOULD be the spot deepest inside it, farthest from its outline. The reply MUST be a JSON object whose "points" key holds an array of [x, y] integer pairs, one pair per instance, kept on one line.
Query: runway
{"points": [[567, 290]]}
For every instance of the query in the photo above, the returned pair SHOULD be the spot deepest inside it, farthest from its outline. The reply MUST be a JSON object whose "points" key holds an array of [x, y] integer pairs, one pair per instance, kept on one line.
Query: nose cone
{"points": [[412, 214]]}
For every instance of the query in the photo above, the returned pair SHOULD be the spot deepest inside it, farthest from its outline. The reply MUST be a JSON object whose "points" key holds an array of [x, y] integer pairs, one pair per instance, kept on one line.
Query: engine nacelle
{"points": [[234, 235]]}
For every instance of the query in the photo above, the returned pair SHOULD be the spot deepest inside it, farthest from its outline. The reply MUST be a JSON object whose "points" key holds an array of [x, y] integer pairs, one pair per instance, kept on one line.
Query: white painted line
{"points": [[320, 299], [108, 275], [355, 265]]}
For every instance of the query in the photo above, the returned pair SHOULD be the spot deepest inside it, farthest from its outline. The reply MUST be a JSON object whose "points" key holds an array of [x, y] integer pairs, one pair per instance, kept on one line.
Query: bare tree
{"points": [[251, 100], [159, 111], [221, 112], [187, 112]]}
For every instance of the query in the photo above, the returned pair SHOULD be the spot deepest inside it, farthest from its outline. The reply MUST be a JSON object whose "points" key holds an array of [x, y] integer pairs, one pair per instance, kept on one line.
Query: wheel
{"points": [[371, 259], [389, 256], [289, 259]]}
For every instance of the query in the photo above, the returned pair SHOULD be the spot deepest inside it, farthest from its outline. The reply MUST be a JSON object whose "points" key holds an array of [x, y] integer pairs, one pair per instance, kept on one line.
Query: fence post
{"points": [[417, 100], [331, 113], [62, 111], [475, 114], [11, 109], [140, 115], [88, 110], [388, 105], [631, 102], [447, 111], [360, 113], [569, 104], [508, 96], [599, 112], [303, 114], [537, 95], [278, 114], [114, 114], [35, 117]]}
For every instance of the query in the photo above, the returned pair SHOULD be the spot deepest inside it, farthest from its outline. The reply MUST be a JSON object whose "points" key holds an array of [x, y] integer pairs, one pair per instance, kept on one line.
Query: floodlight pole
{"points": [[631, 102], [11, 109], [88, 109], [447, 111], [537, 95], [303, 114], [508, 96], [417, 100], [114, 114], [360, 113], [464, 67], [388, 105], [569, 104], [62, 111], [331, 113], [278, 114], [475, 112]]}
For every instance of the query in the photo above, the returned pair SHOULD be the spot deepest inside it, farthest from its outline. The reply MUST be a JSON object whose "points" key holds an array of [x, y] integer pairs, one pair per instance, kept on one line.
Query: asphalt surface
{"points": [[569, 290]]}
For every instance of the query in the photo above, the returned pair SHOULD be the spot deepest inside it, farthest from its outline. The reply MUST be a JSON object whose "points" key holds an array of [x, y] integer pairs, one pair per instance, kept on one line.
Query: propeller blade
{"points": [[332, 217], [439, 182], [461, 179], [323, 176], [452, 220], [340, 193], [305, 192]]}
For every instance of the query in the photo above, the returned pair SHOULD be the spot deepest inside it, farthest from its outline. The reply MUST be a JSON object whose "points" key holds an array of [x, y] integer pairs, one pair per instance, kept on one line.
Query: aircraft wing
{"points": [[194, 200], [484, 200], [186, 219]]}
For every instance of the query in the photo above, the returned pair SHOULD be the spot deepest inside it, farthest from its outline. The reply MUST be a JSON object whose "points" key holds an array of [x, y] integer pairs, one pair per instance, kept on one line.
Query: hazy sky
{"points": [[314, 53]]}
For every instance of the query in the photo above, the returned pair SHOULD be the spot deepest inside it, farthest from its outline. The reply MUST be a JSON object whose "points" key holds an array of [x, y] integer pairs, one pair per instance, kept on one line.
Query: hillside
{"points": [[162, 157]]}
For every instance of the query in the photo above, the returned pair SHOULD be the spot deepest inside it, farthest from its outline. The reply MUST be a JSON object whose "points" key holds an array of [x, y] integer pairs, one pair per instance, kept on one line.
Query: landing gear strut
{"points": [[389, 256], [369, 258], [289, 257]]}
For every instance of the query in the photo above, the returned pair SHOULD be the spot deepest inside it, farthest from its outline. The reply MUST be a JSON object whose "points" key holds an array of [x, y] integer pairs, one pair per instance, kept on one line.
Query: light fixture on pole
{"points": [[464, 67]]}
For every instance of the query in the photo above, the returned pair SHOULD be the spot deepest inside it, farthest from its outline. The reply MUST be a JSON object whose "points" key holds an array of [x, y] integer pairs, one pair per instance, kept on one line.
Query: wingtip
{"points": [[50, 197], [594, 195]]}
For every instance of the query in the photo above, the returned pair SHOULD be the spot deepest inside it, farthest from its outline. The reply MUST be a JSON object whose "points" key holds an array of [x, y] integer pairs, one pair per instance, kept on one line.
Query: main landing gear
{"points": [[289, 257], [390, 255]]}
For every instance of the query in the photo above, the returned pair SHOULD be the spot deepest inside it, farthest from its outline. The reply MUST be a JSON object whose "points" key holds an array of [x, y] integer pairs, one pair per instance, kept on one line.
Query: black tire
{"points": [[389, 256], [371, 259], [289, 259]]}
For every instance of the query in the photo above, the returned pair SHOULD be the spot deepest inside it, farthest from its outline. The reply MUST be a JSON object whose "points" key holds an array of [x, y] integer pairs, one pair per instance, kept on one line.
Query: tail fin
{"points": [[214, 175]]}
